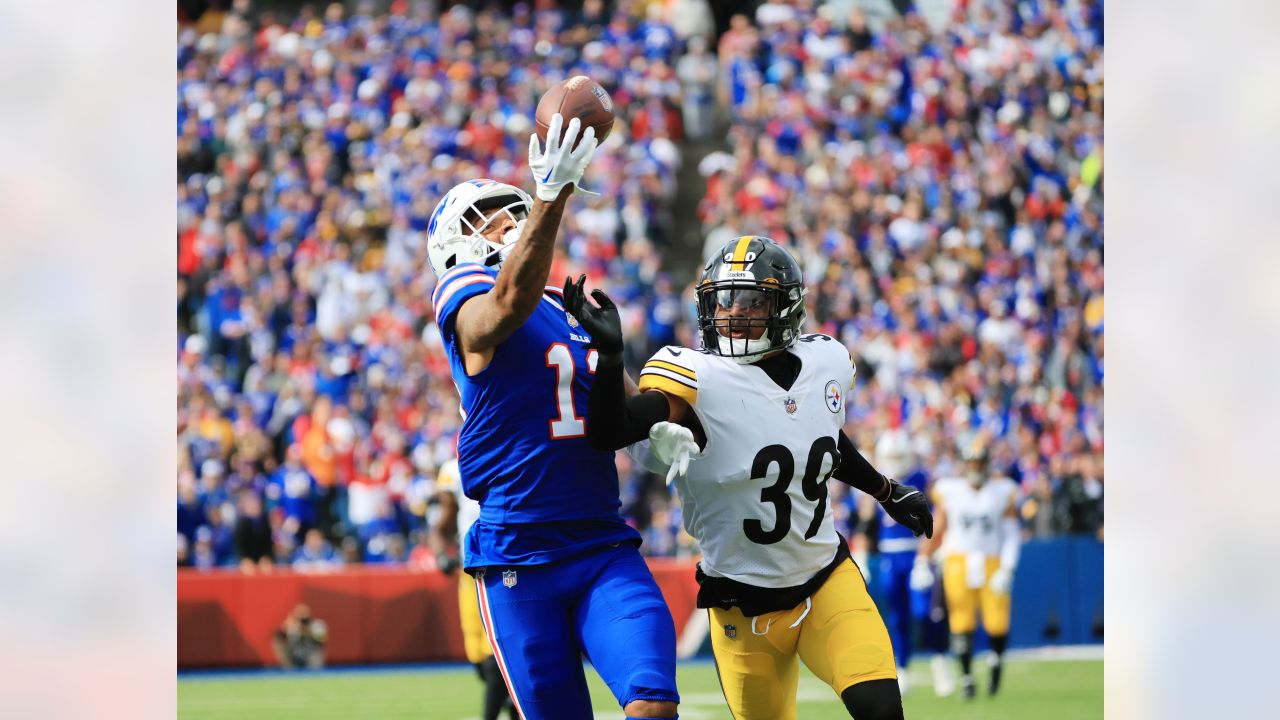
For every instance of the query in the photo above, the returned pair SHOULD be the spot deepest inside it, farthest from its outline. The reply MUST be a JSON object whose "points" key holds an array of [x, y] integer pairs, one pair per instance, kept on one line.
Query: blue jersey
{"points": [[545, 494], [895, 537]]}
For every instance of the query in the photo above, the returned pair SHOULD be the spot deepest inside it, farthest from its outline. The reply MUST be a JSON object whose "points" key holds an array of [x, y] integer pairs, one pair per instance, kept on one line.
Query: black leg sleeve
{"points": [[854, 469], [613, 420], [873, 700]]}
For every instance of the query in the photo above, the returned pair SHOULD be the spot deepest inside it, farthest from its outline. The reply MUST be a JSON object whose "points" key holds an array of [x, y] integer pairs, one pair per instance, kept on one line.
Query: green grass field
{"points": [[1044, 690]]}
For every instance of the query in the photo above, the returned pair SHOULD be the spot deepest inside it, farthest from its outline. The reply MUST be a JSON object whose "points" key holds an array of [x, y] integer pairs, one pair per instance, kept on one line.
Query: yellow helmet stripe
{"points": [[740, 250]]}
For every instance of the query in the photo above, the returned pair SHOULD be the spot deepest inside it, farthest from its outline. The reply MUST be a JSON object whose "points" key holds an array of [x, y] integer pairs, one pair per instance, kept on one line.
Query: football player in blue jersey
{"points": [[557, 571]]}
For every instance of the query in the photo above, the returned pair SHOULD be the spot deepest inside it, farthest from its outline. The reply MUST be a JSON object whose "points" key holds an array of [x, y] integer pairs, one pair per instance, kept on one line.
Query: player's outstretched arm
{"points": [[488, 319], [614, 419], [904, 504]]}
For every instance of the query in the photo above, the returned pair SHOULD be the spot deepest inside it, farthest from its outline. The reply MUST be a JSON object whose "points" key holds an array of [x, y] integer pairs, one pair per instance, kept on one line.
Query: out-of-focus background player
{"points": [[906, 606], [458, 512], [980, 543]]}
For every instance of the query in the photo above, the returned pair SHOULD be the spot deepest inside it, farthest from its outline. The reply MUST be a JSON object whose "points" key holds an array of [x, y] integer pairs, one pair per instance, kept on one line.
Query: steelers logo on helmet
{"points": [[750, 299]]}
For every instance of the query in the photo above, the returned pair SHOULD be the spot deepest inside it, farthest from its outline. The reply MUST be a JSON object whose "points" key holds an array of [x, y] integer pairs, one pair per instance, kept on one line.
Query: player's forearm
{"points": [[629, 385], [614, 420], [486, 320], [856, 472], [523, 278]]}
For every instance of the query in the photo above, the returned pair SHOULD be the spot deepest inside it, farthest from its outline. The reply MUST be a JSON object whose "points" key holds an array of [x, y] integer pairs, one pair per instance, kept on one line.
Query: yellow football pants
{"points": [[473, 637], [964, 601], [840, 637]]}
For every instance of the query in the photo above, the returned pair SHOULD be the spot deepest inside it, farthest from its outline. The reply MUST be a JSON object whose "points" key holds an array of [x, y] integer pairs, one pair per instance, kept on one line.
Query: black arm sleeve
{"points": [[854, 469], [613, 420]]}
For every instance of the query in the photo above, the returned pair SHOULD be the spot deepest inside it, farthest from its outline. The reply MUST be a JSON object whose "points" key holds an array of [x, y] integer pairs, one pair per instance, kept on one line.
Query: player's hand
{"points": [[673, 444], [908, 506], [562, 164], [600, 319], [921, 574], [1001, 580]]}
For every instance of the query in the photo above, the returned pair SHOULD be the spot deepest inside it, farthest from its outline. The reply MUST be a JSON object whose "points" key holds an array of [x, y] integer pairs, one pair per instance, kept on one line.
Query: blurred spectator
{"points": [[294, 491], [253, 534], [204, 556], [301, 640], [698, 73], [316, 554]]}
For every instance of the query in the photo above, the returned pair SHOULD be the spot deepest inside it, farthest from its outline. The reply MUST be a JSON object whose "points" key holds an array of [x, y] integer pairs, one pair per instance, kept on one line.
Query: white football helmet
{"points": [[455, 233]]}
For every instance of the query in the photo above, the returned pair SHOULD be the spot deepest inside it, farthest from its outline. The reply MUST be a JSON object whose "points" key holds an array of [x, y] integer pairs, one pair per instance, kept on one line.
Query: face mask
{"points": [[509, 239], [753, 349]]}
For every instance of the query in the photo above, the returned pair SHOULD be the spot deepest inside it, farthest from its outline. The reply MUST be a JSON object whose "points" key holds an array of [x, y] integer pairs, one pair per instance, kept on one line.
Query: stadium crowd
{"points": [[942, 188]]}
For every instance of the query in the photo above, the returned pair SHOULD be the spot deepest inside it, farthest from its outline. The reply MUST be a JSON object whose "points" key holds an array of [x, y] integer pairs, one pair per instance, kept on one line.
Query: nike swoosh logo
{"points": [[548, 177], [674, 352], [904, 497]]}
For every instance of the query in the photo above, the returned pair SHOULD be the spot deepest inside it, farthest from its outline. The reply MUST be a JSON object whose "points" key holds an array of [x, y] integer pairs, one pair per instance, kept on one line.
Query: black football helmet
{"points": [[750, 283]]}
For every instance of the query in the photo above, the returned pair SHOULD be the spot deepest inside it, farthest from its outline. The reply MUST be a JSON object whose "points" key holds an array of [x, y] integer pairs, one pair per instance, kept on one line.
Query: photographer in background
{"points": [[301, 640]]}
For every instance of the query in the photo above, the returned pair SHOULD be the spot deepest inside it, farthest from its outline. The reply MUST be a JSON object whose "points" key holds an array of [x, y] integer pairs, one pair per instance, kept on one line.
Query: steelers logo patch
{"points": [[835, 398]]}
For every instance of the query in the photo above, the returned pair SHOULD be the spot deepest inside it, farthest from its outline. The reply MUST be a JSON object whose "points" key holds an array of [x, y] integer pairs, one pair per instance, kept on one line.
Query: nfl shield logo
{"points": [[790, 405], [509, 578], [573, 321], [731, 631]]}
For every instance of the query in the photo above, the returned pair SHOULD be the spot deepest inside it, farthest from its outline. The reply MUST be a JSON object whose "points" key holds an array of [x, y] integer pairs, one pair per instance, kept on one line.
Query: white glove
{"points": [[562, 163], [673, 445], [1001, 580], [921, 574]]}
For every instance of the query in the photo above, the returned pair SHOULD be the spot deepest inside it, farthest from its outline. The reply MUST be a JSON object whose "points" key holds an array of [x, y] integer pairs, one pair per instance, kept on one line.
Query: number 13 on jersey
{"points": [[567, 424]]}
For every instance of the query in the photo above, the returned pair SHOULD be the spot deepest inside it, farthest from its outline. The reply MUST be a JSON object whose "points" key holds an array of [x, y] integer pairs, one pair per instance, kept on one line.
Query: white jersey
{"points": [[974, 515], [755, 498], [449, 480]]}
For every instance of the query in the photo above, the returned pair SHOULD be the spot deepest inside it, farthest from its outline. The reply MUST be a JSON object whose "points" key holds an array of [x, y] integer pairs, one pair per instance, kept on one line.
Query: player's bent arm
{"points": [[902, 503], [615, 420], [486, 320], [854, 470]]}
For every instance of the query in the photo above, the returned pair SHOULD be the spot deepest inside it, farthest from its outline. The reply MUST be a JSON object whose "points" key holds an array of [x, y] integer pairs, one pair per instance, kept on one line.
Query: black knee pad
{"points": [[873, 700]]}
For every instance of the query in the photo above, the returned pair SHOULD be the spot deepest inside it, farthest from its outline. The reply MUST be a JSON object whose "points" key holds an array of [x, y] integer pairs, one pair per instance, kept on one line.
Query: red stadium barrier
{"points": [[374, 614]]}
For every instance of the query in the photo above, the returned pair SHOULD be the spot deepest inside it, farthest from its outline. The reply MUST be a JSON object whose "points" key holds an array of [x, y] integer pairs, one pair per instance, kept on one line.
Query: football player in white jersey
{"points": [[749, 430], [980, 540], [457, 511]]}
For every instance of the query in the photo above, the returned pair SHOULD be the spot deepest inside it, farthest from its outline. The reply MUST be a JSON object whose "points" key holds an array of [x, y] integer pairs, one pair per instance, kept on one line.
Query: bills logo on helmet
{"points": [[834, 396]]}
